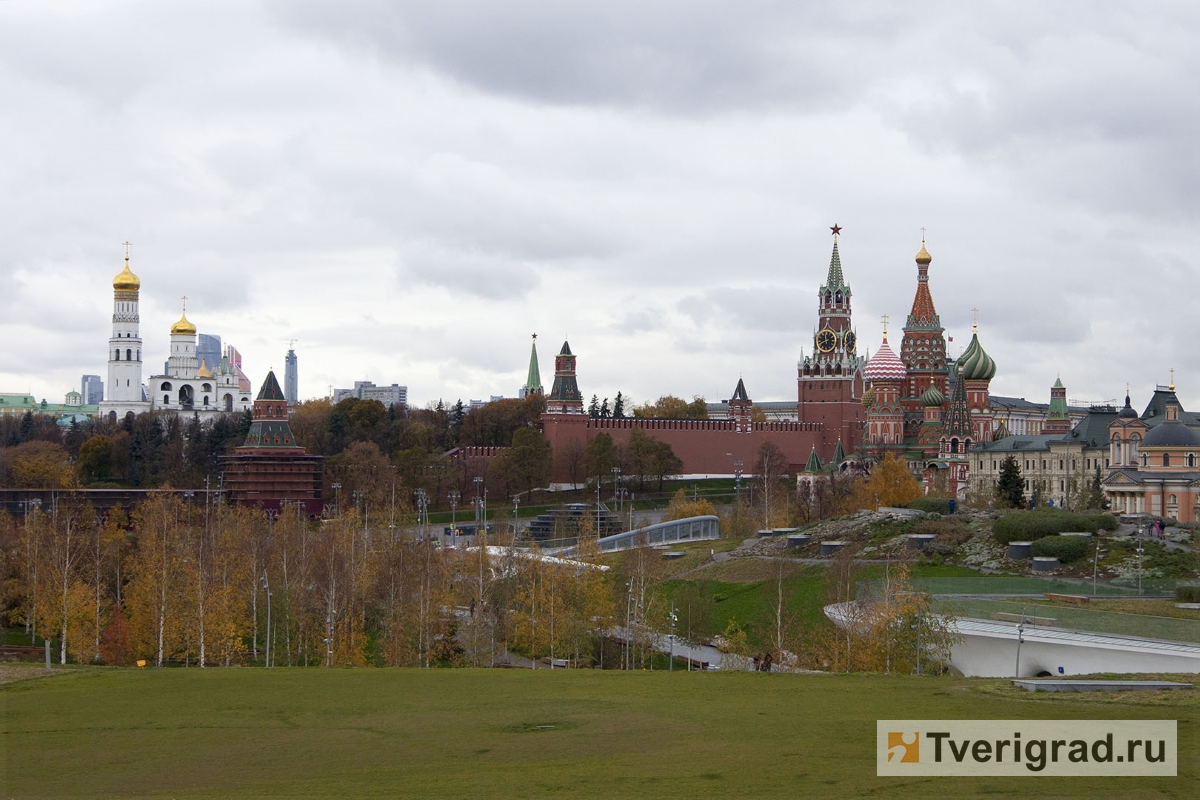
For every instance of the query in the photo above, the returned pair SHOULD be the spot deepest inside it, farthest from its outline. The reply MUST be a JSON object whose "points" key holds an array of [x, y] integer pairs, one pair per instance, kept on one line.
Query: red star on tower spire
{"points": [[836, 229]]}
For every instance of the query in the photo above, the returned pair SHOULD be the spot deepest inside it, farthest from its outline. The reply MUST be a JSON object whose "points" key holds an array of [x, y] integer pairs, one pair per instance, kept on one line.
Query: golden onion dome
{"points": [[923, 256], [126, 280], [204, 371], [183, 326]]}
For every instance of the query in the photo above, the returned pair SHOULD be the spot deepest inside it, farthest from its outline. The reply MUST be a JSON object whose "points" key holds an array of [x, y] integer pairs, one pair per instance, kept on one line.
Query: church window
{"points": [[1166, 459], [166, 387], [166, 399], [1191, 459], [205, 399], [128, 354], [116, 355]]}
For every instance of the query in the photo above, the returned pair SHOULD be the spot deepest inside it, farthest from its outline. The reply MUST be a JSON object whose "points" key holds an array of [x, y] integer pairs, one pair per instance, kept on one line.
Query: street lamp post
{"points": [[453, 497], [337, 493], [616, 471], [478, 481], [1096, 567], [422, 512], [516, 506], [917, 626], [1140, 550], [628, 661], [267, 588], [1020, 641], [671, 660]]}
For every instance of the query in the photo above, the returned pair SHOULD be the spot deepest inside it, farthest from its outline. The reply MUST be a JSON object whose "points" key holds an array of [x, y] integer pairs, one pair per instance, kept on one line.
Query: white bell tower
{"points": [[123, 391]]}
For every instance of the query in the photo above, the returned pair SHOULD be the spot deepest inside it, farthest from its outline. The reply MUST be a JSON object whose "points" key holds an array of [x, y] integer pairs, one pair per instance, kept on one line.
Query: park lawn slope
{"points": [[476, 733]]}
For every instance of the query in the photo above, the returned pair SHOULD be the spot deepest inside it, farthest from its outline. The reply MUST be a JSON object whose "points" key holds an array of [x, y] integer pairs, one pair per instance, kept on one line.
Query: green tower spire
{"points": [[533, 381], [814, 461]]}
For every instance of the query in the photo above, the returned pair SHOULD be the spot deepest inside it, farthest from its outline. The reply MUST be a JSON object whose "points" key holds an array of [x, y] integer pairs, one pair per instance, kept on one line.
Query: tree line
{"points": [[215, 585]]}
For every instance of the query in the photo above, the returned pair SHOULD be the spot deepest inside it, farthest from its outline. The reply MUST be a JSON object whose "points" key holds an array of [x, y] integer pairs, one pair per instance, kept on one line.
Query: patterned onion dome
{"points": [[868, 398], [884, 365], [126, 280], [975, 364], [931, 397]]}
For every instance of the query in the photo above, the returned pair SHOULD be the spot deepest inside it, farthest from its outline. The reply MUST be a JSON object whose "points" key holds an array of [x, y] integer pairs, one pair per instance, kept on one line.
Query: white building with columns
{"points": [[190, 386]]}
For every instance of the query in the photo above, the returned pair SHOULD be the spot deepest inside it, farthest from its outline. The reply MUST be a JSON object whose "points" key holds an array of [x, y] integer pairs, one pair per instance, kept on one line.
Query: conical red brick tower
{"points": [[271, 468]]}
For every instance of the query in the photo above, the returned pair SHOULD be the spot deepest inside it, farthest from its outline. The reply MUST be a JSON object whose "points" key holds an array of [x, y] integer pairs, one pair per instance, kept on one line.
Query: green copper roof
{"points": [[566, 349], [839, 455], [1058, 404], [976, 364], [533, 382], [814, 461], [834, 280], [270, 389], [739, 393]]}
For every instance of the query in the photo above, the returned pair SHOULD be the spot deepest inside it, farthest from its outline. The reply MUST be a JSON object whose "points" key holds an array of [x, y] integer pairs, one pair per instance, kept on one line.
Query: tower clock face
{"points": [[826, 340], [849, 340]]}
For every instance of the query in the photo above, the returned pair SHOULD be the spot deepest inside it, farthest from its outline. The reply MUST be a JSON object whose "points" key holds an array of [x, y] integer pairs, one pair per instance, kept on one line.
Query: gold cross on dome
{"points": [[127, 246], [922, 234], [885, 322], [1172, 386]]}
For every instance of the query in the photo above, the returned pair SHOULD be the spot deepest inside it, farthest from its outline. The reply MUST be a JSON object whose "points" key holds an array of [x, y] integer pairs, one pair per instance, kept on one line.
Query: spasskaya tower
{"points": [[831, 379]]}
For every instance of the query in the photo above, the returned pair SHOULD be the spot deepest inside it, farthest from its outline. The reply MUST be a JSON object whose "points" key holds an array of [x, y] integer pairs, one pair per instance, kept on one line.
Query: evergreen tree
{"points": [[604, 412], [594, 408], [1010, 490], [618, 409]]}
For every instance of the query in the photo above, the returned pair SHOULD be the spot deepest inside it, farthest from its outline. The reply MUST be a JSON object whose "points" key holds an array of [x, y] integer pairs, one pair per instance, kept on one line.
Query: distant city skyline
{"points": [[411, 204]]}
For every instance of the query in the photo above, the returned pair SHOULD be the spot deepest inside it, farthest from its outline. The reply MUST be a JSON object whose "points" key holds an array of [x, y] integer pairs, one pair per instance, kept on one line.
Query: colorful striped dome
{"points": [[885, 365], [976, 365]]}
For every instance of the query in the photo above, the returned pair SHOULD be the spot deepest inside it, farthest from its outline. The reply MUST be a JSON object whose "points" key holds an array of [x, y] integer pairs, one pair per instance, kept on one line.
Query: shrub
{"points": [[1029, 526], [932, 505], [1187, 594], [1065, 548]]}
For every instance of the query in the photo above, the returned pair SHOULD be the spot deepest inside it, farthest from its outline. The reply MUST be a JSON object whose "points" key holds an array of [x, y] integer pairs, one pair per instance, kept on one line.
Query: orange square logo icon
{"points": [[908, 751]]}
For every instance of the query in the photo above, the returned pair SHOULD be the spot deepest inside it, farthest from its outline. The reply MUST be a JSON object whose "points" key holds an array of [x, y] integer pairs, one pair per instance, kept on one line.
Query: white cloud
{"points": [[412, 189]]}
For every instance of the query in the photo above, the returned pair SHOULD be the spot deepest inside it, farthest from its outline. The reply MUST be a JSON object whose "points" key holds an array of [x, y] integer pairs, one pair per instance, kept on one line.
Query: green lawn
{"points": [[479, 733]]}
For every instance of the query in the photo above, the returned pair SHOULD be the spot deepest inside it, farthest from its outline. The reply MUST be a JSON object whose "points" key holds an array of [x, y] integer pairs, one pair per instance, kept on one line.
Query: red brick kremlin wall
{"points": [[702, 444]]}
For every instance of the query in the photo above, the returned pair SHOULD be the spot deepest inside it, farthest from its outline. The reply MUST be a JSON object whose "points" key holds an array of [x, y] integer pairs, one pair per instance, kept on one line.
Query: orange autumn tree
{"points": [[890, 485]]}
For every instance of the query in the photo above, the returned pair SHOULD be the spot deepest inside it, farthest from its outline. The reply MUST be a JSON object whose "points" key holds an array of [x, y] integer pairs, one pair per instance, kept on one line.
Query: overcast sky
{"points": [[411, 189]]}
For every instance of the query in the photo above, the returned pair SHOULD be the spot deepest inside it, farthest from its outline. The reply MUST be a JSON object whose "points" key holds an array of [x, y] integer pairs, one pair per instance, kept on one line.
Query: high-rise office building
{"points": [[92, 389], [208, 350], [291, 378]]}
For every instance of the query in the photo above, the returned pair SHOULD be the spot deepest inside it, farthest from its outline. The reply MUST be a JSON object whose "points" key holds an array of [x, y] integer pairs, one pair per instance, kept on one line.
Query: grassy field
{"points": [[512, 733]]}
